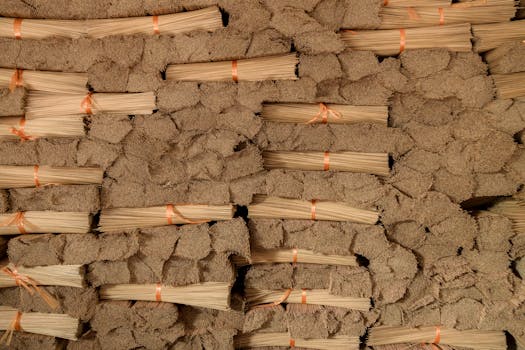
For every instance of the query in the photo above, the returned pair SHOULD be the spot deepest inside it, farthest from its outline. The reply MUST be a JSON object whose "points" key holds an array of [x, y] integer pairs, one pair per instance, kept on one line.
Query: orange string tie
{"points": [[16, 79], [292, 343], [294, 256], [326, 161], [14, 326], [402, 40], [441, 16], [281, 300], [313, 209], [17, 220], [158, 296], [437, 339], [87, 104], [172, 212], [156, 25], [412, 14], [303, 296], [35, 175], [324, 112], [17, 28], [235, 73], [20, 131]]}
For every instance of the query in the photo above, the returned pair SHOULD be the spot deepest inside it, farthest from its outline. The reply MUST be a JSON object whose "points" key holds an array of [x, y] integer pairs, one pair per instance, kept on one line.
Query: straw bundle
{"points": [[256, 340], [370, 163], [514, 209], [130, 218], [412, 347], [54, 325], [474, 339], [272, 256], [256, 296], [393, 41], [419, 3], [53, 275], [212, 295], [282, 208], [44, 222], [510, 85], [57, 82], [16, 127], [318, 113], [505, 59], [41, 28], [490, 36], [31, 176], [44, 105], [252, 69], [208, 19]]}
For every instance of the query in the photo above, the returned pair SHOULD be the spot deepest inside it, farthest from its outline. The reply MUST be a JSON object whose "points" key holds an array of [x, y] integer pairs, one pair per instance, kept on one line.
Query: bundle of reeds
{"points": [[212, 295], [52, 275], [119, 219], [20, 28], [256, 297], [208, 19], [514, 209], [23, 129], [419, 3], [56, 82], [474, 339], [280, 67], [14, 176], [272, 256], [390, 42], [282, 208], [490, 36], [321, 113], [54, 325], [510, 85], [44, 222], [44, 105], [357, 162], [257, 340]]}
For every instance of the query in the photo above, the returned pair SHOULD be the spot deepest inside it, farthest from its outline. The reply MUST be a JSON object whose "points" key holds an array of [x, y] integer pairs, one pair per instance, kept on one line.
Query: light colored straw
{"points": [[389, 42], [208, 19], [56, 82], [257, 340], [52, 275], [510, 85], [336, 113], [43, 28], [252, 69], [282, 208], [514, 209], [15, 176], [419, 3], [211, 295], [357, 162], [272, 256], [474, 339], [44, 222], [64, 126], [118, 219], [490, 36]]}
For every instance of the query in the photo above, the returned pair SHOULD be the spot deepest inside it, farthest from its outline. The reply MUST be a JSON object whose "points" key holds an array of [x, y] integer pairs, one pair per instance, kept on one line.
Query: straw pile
{"points": [[510, 85], [41, 28], [53, 275], [514, 209], [490, 36], [44, 222], [119, 219], [419, 3], [23, 129], [212, 295], [13, 176], [255, 340], [282, 208], [392, 41], [56, 82], [252, 69], [357, 162], [272, 256]]}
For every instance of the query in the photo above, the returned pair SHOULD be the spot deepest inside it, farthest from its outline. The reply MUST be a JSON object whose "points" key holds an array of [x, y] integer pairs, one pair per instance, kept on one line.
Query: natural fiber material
{"points": [[119, 219], [394, 41], [419, 3], [314, 113], [490, 36], [510, 85], [514, 209], [21, 128], [357, 162], [12, 176], [255, 340], [44, 222], [56, 82], [405, 346], [41, 28], [310, 297], [53, 275], [474, 339], [251, 69], [272, 256], [282, 208], [208, 19], [44, 105], [211, 295]]}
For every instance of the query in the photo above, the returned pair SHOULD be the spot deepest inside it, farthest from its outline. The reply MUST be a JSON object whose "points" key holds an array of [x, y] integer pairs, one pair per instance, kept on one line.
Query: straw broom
{"points": [[44, 222], [474, 339], [21, 128], [514, 209], [272, 256], [56, 82], [208, 19], [41, 28], [252, 69], [256, 340], [282, 208], [393, 41], [119, 219], [510, 85], [53, 275], [357, 162], [419, 3], [211, 295], [44, 105], [490, 36], [316, 113], [12, 176]]}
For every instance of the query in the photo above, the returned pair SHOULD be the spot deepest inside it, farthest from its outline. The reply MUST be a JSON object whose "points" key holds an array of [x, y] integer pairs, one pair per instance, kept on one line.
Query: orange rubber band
{"points": [[20, 131], [441, 16], [16, 322], [323, 113], [35, 175], [158, 296], [326, 161], [292, 343], [17, 28], [156, 25], [402, 40], [170, 213], [235, 73], [86, 104], [303, 296], [438, 335], [16, 79], [294, 256], [312, 210]]}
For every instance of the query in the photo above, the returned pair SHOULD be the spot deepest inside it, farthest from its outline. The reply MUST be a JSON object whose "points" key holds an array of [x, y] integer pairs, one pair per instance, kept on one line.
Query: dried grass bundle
{"points": [[208, 19], [13, 176], [44, 105], [257, 340], [53, 275], [280, 67], [256, 296], [119, 219], [357, 162], [490, 36], [272, 256], [318, 113], [41, 28], [44, 222], [419, 3], [474, 339], [514, 209], [394, 41], [56, 82], [21, 128], [510, 85], [282, 208], [212, 295]]}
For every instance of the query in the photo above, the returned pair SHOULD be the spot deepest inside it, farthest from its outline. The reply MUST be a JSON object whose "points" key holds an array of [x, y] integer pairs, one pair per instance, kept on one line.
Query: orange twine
{"points": [[16, 79], [326, 161], [438, 335], [323, 113], [235, 73], [18, 220], [292, 343], [313, 209], [402, 40], [156, 25], [20, 131], [14, 326], [441, 16], [17, 28], [157, 292], [35, 175], [86, 104], [171, 212], [303, 296]]}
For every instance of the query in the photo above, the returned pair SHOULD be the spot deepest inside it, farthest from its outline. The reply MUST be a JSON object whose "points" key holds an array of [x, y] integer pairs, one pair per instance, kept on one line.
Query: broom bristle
{"points": [[53, 275], [490, 36], [252, 69], [44, 222], [55, 82], [212, 295], [68, 126], [13, 176], [514, 209], [419, 3], [510, 85], [43, 28], [255, 340], [272, 256]]}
